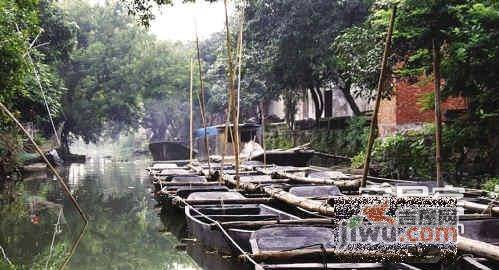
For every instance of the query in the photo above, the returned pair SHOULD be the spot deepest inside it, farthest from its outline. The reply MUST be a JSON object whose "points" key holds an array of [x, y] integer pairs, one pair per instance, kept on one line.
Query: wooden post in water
{"points": [[263, 136], [202, 102], [190, 112], [438, 113], [381, 84], [233, 95]]}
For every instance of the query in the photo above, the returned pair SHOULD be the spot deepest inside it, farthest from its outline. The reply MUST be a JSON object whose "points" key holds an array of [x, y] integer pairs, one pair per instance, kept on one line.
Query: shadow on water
{"points": [[38, 224]]}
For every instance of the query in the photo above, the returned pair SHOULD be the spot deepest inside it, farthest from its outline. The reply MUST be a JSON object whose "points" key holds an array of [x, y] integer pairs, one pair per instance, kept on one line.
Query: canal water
{"points": [[38, 224]]}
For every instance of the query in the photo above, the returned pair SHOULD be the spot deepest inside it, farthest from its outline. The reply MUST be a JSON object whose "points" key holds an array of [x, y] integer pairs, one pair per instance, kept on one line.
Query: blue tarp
{"points": [[210, 131]]}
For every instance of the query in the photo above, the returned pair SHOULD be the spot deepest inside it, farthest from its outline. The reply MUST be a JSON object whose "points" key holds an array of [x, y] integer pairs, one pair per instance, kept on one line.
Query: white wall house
{"points": [[338, 106]]}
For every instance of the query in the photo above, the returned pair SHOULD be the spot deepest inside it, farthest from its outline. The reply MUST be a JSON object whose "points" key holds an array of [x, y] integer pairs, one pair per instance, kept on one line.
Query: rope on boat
{"points": [[5, 256], [222, 229]]}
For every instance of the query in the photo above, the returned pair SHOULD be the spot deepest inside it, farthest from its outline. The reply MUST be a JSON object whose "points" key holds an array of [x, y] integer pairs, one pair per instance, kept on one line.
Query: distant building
{"points": [[335, 105], [403, 110]]}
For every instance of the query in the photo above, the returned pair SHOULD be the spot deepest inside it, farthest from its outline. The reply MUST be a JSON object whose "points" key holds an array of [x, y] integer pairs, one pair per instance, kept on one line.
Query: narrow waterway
{"points": [[38, 225]]}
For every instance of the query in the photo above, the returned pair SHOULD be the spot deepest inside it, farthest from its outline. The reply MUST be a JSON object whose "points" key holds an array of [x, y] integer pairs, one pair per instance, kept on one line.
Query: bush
{"points": [[404, 155], [10, 150], [358, 160], [491, 184]]}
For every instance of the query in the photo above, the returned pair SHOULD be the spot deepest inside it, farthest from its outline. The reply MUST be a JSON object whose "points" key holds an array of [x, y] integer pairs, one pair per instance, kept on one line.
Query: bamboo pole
{"points": [[477, 207], [479, 248], [381, 83], [190, 112], [438, 113], [312, 205], [341, 183], [65, 188], [202, 102], [232, 93]]}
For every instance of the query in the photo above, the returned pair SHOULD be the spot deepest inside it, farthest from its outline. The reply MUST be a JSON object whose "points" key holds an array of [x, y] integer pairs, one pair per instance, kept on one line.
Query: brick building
{"points": [[403, 110]]}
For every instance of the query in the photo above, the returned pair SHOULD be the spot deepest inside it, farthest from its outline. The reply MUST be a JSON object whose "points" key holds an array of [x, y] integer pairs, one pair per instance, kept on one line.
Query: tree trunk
{"points": [[64, 148], [318, 103], [159, 133], [351, 101]]}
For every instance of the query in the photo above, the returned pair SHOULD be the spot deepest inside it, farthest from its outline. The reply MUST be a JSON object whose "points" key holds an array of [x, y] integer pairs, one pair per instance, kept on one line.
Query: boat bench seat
{"points": [[224, 218]]}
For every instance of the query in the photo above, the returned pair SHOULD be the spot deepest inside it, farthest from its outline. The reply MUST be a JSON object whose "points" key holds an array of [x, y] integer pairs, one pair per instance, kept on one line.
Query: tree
{"points": [[293, 40], [104, 86], [19, 25], [467, 34]]}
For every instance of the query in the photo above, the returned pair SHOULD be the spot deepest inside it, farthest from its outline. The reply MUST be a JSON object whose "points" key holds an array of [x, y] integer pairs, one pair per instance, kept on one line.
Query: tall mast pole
{"points": [[190, 111], [381, 83], [202, 102], [438, 113]]}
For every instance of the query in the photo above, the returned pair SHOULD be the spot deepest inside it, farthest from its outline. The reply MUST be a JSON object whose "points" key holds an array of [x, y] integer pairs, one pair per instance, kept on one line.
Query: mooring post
{"points": [[381, 83], [202, 102], [190, 112], [232, 95], [438, 113]]}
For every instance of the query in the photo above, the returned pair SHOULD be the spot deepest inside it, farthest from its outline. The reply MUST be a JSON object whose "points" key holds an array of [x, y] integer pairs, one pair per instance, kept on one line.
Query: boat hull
{"points": [[169, 151]]}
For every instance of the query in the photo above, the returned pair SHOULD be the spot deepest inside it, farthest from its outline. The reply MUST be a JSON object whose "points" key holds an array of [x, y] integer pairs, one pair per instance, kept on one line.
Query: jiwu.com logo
{"points": [[410, 226]]}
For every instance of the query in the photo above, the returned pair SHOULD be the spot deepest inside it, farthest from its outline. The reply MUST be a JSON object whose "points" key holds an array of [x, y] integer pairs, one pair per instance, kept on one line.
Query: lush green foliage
{"points": [[119, 77], [20, 23], [289, 44], [491, 184]]}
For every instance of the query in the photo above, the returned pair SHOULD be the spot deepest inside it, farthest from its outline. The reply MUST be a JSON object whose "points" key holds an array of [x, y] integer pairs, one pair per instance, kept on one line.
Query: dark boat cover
{"points": [[485, 230], [316, 191], [183, 192], [291, 237]]}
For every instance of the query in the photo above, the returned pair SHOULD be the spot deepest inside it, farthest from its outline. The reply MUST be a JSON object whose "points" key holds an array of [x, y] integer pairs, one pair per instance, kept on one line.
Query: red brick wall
{"points": [[408, 110], [403, 110]]}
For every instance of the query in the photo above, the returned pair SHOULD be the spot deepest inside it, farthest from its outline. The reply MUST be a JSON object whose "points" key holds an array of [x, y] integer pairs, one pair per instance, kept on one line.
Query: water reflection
{"points": [[38, 224]]}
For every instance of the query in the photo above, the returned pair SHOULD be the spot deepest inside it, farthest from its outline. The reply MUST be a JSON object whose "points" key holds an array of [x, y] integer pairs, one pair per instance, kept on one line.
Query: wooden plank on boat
{"points": [[255, 225], [314, 254], [330, 266], [227, 201], [168, 184], [224, 218]]}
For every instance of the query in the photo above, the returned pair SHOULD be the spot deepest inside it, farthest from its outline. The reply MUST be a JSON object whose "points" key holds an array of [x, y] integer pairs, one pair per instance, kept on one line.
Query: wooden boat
{"points": [[169, 150], [34, 168], [200, 219], [299, 157]]}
